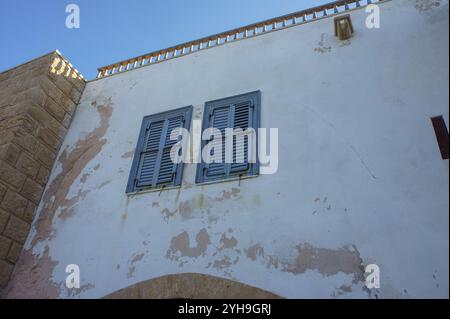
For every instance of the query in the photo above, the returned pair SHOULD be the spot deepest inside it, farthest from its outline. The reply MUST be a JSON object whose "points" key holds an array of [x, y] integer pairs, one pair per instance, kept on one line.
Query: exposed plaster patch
{"points": [[229, 194], [343, 289], [180, 245], [67, 210], [326, 261], [254, 251], [74, 292], [199, 206], [73, 162], [223, 263], [32, 277], [425, 5], [136, 258], [227, 243]]}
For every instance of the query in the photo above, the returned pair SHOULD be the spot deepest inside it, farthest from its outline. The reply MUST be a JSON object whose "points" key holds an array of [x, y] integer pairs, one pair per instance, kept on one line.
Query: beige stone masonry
{"points": [[37, 103]]}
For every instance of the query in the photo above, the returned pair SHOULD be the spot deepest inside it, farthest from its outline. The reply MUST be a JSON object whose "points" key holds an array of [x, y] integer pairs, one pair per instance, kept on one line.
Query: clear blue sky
{"points": [[114, 30]]}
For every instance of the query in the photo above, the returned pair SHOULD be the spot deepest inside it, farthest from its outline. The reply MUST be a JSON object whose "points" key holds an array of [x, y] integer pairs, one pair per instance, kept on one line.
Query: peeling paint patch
{"points": [[69, 204], [34, 273], [425, 5], [73, 162], [227, 243], [229, 194], [327, 261], [223, 263], [254, 251], [180, 245], [136, 258], [343, 289], [198, 206], [73, 292]]}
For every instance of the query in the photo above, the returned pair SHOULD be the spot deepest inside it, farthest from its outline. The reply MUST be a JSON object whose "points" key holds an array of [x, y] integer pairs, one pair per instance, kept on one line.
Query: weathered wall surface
{"points": [[360, 176], [37, 101]]}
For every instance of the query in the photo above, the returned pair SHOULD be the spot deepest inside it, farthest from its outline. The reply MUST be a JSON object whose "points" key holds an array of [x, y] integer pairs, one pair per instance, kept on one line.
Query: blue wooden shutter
{"points": [[240, 111], [152, 165]]}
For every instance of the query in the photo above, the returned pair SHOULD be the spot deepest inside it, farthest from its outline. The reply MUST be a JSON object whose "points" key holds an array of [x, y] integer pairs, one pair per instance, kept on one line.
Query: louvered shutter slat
{"points": [[167, 167], [241, 120], [154, 135], [174, 123], [148, 161], [220, 119], [149, 154]]}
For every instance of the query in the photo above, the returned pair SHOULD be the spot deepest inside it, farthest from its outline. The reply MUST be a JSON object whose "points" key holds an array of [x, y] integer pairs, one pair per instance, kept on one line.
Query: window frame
{"points": [[255, 97], [146, 121]]}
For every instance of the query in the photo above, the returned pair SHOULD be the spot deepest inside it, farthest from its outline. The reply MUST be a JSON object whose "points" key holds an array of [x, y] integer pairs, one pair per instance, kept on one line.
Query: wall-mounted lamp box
{"points": [[343, 27]]}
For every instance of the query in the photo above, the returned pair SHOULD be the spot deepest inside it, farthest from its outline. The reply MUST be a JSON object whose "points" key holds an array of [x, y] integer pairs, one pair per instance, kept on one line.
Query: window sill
{"points": [[162, 189]]}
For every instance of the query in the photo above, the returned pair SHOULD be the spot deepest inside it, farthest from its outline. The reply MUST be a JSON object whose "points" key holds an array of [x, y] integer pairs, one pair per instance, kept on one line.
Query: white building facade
{"points": [[360, 178]]}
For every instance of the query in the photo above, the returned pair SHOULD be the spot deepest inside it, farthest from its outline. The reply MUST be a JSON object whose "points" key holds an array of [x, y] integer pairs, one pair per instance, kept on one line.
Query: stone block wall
{"points": [[37, 103]]}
